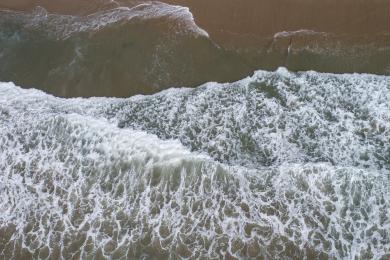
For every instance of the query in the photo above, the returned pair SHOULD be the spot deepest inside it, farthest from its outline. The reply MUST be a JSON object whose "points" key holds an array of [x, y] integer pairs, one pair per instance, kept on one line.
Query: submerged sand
{"points": [[258, 17], [328, 36]]}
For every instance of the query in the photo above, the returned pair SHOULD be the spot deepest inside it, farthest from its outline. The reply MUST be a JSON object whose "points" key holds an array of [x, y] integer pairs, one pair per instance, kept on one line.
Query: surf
{"points": [[277, 165]]}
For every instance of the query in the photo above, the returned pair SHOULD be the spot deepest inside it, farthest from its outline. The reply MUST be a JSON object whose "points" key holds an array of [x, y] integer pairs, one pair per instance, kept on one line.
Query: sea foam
{"points": [[270, 166]]}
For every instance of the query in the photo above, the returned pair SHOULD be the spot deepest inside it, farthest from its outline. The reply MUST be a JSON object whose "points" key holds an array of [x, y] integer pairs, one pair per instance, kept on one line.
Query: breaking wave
{"points": [[278, 165]]}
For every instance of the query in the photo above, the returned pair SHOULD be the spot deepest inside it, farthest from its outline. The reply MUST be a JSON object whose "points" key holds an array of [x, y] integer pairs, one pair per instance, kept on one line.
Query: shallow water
{"points": [[279, 165], [133, 47], [117, 52]]}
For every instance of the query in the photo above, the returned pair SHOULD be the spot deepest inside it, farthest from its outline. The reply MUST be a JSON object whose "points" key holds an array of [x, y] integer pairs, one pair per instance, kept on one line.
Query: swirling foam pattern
{"points": [[280, 165]]}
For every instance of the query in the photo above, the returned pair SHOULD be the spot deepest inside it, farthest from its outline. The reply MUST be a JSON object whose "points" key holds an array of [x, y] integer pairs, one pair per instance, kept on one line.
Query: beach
{"points": [[219, 129]]}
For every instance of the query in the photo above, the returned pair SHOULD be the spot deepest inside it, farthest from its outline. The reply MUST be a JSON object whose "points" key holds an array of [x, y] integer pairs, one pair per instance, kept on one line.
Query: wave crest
{"points": [[73, 183]]}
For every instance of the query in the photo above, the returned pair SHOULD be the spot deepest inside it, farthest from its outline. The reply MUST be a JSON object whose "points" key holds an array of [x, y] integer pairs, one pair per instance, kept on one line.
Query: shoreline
{"points": [[262, 18], [232, 52]]}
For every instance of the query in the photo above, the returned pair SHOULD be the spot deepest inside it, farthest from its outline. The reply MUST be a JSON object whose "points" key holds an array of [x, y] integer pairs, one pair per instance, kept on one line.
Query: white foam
{"points": [[69, 176], [274, 117], [302, 32], [64, 26]]}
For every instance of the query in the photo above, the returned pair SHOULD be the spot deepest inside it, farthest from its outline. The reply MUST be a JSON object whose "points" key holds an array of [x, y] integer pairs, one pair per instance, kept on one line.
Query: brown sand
{"points": [[57, 6], [267, 17], [356, 39], [258, 17], [245, 23]]}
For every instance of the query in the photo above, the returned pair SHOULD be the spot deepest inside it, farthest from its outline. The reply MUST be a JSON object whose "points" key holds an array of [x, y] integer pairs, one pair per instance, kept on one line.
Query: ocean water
{"points": [[143, 48], [291, 161], [277, 165], [123, 51]]}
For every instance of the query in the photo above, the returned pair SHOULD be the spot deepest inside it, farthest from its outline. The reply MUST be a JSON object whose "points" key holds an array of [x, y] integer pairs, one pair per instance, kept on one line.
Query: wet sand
{"points": [[257, 17], [56, 6], [245, 24], [338, 36], [267, 17]]}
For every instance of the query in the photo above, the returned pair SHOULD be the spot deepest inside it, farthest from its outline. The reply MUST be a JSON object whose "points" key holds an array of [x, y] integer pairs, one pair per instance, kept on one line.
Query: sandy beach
{"points": [[259, 17], [327, 36]]}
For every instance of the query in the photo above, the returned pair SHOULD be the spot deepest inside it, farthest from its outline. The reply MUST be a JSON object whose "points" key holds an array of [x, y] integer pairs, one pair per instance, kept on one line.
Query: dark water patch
{"points": [[119, 52], [142, 48]]}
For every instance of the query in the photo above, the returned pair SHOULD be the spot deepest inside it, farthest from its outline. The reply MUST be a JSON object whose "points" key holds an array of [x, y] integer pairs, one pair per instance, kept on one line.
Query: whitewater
{"points": [[277, 165]]}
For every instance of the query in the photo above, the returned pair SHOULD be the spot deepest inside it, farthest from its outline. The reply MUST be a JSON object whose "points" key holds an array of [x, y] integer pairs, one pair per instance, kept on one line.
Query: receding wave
{"points": [[278, 165], [115, 52], [64, 26], [144, 48]]}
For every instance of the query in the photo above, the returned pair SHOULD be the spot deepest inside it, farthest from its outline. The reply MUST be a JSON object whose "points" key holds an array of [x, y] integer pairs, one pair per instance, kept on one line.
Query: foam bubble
{"points": [[302, 32], [275, 117], [74, 184]]}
